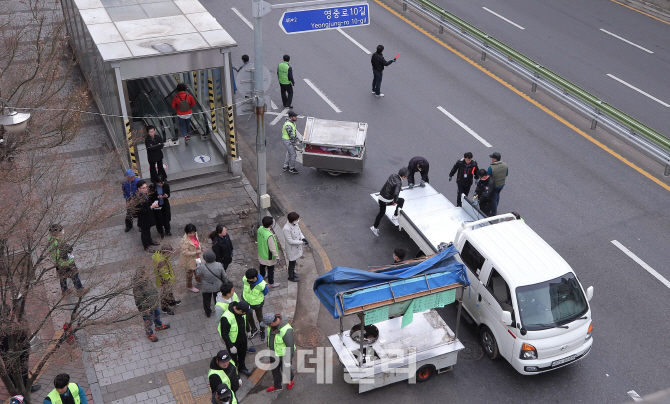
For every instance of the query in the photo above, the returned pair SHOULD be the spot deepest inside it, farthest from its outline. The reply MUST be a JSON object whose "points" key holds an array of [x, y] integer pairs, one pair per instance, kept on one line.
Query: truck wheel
{"points": [[333, 173], [489, 343], [424, 373]]}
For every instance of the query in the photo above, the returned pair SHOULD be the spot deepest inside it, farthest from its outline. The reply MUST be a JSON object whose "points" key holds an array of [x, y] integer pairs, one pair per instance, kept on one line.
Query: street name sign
{"points": [[322, 18]]}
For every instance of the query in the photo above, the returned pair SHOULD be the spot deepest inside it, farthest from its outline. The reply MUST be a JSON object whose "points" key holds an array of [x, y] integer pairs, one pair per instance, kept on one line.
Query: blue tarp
{"points": [[441, 270]]}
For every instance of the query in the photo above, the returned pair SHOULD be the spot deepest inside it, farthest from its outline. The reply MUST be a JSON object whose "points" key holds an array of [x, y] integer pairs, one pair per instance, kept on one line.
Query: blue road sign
{"points": [[319, 19]]}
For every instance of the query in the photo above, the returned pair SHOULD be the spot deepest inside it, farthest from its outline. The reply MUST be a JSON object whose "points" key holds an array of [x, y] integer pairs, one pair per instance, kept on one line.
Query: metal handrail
{"points": [[644, 136]]}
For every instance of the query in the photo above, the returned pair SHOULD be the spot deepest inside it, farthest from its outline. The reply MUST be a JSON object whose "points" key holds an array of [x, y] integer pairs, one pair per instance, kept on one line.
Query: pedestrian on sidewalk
{"points": [[378, 64], [146, 218], [294, 242], [165, 278], [388, 196], [245, 61], [129, 188], [190, 255], [268, 251], [160, 191], [66, 392], [183, 102], [399, 255], [15, 346], [213, 276], [254, 291], [289, 135], [499, 171], [421, 165], [148, 299], [63, 259], [154, 147], [281, 342], [232, 328], [225, 296], [484, 192], [222, 245], [466, 171], [222, 369], [223, 395], [286, 82]]}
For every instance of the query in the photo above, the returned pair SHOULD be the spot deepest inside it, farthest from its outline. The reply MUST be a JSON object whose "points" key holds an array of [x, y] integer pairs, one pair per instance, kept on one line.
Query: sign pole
{"points": [[259, 104]]}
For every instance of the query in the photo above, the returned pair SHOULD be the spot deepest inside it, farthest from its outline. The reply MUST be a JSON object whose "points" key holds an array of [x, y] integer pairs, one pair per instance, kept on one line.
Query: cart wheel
{"points": [[424, 373], [333, 173]]}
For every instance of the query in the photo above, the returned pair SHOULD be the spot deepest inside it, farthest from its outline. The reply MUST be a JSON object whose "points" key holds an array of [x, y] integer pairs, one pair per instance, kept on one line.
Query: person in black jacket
{"points": [[160, 191], [484, 192], [421, 165], [389, 196], [467, 170], [145, 215], [154, 146], [378, 64], [223, 362], [238, 349], [222, 246]]}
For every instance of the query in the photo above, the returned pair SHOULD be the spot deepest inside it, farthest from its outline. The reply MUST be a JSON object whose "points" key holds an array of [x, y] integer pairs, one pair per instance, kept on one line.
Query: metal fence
{"points": [[640, 135]]}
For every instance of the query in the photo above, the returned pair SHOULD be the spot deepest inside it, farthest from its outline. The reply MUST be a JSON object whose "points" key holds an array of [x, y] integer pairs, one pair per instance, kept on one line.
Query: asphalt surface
{"points": [[570, 191]]}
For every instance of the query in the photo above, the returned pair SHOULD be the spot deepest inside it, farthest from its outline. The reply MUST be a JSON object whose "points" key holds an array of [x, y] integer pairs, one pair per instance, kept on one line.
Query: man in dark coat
{"points": [[160, 192], [223, 363], [154, 145], [378, 64], [389, 196], [145, 215], [421, 165], [484, 192], [466, 170]]}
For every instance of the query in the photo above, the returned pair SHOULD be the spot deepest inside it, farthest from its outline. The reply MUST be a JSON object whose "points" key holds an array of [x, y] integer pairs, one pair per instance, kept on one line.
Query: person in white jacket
{"points": [[294, 242]]}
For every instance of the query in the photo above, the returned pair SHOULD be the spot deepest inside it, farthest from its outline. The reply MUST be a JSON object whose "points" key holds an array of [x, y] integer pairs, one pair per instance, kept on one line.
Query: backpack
{"points": [[184, 106]]}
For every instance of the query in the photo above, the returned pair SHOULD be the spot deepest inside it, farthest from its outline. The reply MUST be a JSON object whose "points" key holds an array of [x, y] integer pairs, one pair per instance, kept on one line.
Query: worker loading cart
{"points": [[334, 146]]}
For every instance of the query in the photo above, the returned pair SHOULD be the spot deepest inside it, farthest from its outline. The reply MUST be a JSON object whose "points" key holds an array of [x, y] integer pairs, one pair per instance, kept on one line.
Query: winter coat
{"points": [[163, 269], [164, 213], [378, 62], [188, 252], [484, 190], [462, 169], [145, 215], [154, 146], [212, 275], [391, 188], [223, 248], [129, 188], [230, 371], [414, 162], [146, 294], [179, 97], [293, 237]]}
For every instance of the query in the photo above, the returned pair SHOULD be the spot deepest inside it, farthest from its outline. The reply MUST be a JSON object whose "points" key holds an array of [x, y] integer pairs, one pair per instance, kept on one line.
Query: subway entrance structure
{"points": [[133, 54]]}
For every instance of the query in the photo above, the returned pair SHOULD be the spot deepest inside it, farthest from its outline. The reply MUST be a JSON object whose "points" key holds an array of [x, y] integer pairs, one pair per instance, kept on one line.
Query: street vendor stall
{"points": [[400, 336], [334, 146]]}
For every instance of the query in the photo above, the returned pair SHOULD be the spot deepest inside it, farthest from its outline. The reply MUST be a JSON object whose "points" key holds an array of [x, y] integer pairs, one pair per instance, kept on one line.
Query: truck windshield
{"points": [[552, 303]]}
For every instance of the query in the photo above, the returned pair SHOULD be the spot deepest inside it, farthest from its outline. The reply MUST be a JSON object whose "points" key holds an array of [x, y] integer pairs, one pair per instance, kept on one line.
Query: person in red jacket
{"points": [[183, 102]]}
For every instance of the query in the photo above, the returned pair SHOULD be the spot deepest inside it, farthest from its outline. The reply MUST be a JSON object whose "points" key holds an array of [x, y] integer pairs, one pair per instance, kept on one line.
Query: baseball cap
{"points": [[291, 114], [223, 356], [16, 400], [243, 306], [223, 392], [130, 173], [495, 155]]}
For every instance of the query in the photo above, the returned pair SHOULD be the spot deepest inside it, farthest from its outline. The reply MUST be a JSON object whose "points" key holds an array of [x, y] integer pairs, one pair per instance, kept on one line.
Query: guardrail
{"points": [[589, 105]]}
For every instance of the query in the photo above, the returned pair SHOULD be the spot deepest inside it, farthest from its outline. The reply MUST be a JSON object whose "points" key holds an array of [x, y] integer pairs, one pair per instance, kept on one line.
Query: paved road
{"points": [[585, 42], [573, 193]]}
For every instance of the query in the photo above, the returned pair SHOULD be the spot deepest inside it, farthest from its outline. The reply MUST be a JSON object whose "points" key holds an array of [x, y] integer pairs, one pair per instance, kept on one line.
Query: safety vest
{"points": [[54, 396], [280, 346], [284, 132], [282, 73], [253, 296], [162, 268], [224, 379], [230, 316], [262, 237], [499, 173], [56, 255], [224, 305]]}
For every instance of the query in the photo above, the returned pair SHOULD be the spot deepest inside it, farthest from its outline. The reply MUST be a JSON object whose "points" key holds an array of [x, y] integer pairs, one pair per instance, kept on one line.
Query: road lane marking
{"points": [[638, 90], [354, 41], [636, 397], [641, 12], [242, 18], [641, 263], [273, 105], [464, 126], [322, 95], [279, 116], [503, 18], [527, 98], [626, 40]]}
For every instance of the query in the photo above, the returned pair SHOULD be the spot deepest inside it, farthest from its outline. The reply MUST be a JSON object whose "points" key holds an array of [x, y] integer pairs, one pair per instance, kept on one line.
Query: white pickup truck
{"points": [[527, 302]]}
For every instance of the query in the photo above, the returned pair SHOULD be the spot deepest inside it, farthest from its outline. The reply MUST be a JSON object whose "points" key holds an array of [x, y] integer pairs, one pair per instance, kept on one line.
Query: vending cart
{"points": [[336, 147]]}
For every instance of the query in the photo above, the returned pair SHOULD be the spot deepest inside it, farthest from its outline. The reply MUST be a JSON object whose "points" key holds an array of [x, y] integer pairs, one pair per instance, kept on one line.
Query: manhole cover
{"points": [[472, 352], [310, 337]]}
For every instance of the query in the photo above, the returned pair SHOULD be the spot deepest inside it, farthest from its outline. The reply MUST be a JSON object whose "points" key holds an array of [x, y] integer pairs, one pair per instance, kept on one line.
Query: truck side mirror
{"points": [[506, 318], [589, 293]]}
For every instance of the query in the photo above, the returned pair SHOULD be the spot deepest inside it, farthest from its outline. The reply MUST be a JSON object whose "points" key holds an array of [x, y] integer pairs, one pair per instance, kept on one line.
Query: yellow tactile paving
{"points": [[179, 386]]}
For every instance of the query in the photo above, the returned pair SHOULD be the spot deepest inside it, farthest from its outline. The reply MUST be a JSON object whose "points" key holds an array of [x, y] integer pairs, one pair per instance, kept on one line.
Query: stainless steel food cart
{"points": [[334, 146]]}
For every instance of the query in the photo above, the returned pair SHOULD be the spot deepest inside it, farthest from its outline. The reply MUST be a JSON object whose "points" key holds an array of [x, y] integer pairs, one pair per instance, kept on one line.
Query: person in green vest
{"points": [[254, 292], [66, 392], [281, 342], [286, 82], [63, 259], [268, 251], [165, 278], [222, 369], [223, 395], [289, 135], [225, 296], [232, 328], [499, 171]]}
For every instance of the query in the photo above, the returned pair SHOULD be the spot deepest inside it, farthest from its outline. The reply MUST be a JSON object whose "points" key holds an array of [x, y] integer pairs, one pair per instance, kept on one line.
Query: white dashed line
{"points": [[279, 116], [354, 41], [642, 264], [273, 105], [627, 41], [503, 18], [638, 90], [464, 126], [636, 397], [323, 96], [243, 18]]}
